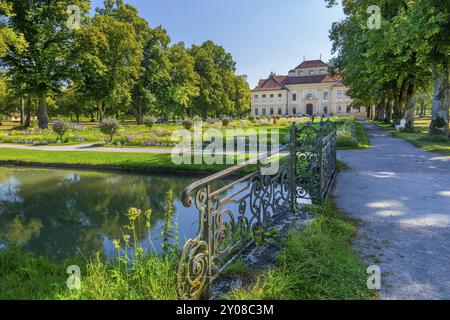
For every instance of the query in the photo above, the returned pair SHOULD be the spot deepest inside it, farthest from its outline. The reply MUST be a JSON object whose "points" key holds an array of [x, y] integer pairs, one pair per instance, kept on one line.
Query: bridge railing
{"points": [[233, 216]]}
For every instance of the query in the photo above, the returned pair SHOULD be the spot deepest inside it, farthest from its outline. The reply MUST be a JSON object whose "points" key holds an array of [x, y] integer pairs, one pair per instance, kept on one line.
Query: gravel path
{"points": [[401, 197]]}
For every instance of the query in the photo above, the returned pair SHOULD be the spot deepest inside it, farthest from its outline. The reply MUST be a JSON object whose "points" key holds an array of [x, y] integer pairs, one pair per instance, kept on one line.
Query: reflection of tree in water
{"points": [[60, 211]]}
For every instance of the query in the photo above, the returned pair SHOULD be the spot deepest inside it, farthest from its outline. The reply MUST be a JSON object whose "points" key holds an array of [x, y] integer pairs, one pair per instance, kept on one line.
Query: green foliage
{"points": [[346, 142], [251, 118], [169, 230], [150, 122], [316, 263], [39, 279], [60, 127], [109, 126]]}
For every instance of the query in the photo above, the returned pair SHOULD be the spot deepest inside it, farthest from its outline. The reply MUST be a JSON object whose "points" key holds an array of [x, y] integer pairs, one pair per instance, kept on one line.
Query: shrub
{"points": [[197, 118], [109, 126], [188, 124], [225, 122], [60, 127], [251, 118], [150, 122]]}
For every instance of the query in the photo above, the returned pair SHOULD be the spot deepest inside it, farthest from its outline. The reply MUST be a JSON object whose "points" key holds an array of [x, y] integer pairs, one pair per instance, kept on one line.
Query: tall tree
{"points": [[110, 59], [184, 81], [43, 68]]}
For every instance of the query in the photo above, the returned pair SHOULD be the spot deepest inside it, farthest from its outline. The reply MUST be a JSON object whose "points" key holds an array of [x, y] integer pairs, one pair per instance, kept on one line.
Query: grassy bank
{"points": [[352, 136], [420, 137], [317, 263], [109, 160]]}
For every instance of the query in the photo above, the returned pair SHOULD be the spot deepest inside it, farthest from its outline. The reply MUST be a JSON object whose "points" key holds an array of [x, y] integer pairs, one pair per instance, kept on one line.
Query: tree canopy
{"points": [[112, 63], [389, 64]]}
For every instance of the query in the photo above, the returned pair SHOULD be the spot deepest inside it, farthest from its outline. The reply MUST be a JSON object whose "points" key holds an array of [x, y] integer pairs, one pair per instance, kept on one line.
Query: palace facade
{"points": [[309, 89]]}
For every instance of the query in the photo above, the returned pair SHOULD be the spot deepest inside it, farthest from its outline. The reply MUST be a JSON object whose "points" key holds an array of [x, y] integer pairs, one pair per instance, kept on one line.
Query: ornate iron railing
{"points": [[231, 217]]}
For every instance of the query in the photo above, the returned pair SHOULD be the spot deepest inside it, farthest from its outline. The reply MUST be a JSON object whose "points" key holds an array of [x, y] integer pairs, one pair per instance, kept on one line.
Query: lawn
{"points": [[420, 138], [123, 160], [157, 162], [132, 135]]}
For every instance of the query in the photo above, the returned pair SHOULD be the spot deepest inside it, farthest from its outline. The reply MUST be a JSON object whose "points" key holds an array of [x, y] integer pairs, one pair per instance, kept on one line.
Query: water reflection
{"points": [[63, 213]]}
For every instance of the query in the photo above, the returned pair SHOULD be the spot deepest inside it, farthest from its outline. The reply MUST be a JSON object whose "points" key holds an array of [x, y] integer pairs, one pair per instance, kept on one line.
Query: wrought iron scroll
{"points": [[231, 217]]}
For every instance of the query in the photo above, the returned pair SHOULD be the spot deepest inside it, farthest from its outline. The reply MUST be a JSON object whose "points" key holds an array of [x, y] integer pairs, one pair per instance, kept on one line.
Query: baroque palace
{"points": [[309, 89]]}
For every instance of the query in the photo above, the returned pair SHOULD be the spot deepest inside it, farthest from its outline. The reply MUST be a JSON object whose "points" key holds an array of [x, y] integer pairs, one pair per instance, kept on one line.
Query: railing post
{"points": [[293, 169], [207, 238], [322, 182]]}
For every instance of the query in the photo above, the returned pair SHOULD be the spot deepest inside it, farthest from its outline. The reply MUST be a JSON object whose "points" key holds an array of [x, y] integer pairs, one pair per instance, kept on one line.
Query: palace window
{"points": [[300, 73], [311, 72], [339, 108], [280, 98], [294, 110], [325, 95], [325, 110], [256, 111], [339, 95], [294, 97], [264, 98], [271, 98], [322, 71], [256, 99], [280, 111], [309, 96], [272, 112], [264, 111], [349, 109]]}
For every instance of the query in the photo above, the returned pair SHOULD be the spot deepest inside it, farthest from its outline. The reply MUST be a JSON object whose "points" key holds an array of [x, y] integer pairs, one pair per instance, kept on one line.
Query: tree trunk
{"points": [[42, 113], [28, 113], [441, 100], [410, 110], [396, 108], [100, 108], [21, 110], [377, 112], [388, 109]]}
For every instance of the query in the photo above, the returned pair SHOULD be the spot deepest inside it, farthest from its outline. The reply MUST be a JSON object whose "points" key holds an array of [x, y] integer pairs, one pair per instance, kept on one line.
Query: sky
{"points": [[262, 35]]}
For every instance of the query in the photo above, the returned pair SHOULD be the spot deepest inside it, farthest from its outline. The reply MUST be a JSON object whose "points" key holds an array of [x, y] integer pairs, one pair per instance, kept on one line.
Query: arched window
{"points": [[309, 96]]}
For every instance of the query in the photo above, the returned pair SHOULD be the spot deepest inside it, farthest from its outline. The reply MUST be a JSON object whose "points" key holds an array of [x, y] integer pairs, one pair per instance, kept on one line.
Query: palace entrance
{"points": [[309, 109]]}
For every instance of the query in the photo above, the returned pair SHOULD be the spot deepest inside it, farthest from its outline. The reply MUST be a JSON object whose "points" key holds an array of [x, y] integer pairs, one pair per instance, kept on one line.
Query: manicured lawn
{"points": [[147, 161], [140, 161], [317, 263], [419, 139], [129, 135]]}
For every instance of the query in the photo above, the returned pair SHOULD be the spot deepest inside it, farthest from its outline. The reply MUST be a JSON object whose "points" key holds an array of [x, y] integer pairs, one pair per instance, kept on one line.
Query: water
{"points": [[63, 214]]}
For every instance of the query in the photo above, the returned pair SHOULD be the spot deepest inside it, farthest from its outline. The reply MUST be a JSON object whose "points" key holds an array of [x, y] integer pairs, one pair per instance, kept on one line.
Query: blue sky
{"points": [[262, 35]]}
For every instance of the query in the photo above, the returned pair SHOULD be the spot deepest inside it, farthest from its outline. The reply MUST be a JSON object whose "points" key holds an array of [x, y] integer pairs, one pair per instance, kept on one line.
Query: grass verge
{"points": [[317, 263], [419, 139], [108, 160]]}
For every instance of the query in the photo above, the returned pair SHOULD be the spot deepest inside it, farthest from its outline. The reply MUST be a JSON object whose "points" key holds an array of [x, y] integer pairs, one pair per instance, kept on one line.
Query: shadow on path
{"points": [[401, 197]]}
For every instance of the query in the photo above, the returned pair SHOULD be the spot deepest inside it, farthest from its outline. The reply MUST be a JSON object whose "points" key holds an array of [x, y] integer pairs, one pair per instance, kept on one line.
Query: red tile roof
{"points": [[311, 64], [280, 82], [273, 83]]}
